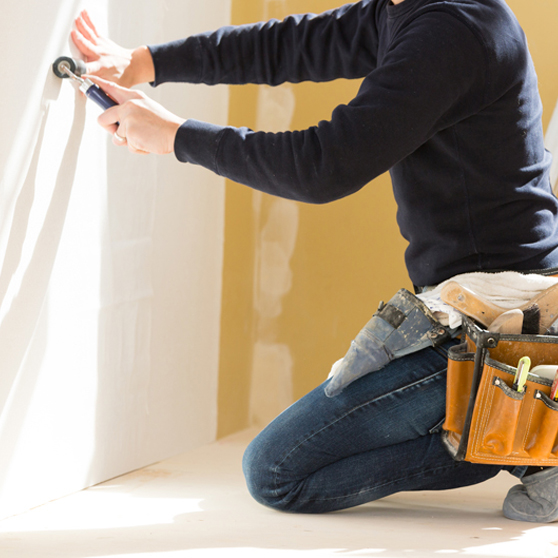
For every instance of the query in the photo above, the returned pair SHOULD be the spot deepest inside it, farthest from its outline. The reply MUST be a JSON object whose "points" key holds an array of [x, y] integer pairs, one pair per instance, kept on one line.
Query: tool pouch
{"points": [[487, 421], [403, 326]]}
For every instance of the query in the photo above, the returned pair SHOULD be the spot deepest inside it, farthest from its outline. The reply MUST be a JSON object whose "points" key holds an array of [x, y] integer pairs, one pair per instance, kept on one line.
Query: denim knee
{"points": [[258, 465]]}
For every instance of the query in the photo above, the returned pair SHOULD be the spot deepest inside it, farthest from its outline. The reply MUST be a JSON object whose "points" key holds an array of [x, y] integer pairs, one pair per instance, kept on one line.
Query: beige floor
{"points": [[196, 505]]}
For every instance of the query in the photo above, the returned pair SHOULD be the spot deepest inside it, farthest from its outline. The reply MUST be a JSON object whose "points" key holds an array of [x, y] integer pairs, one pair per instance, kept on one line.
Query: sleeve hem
{"points": [[177, 61]]}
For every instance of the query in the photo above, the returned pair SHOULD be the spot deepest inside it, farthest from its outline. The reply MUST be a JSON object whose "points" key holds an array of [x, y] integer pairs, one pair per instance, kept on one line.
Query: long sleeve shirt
{"points": [[448, 104]]}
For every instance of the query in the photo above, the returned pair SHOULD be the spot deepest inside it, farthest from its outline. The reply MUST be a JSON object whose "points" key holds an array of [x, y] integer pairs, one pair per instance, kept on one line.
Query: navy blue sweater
{"points": [[449, 105]]}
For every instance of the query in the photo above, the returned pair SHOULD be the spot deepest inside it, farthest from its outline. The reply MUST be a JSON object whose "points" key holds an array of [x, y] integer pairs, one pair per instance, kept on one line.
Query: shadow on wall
{"points": [[26, 318], [78, 401]]}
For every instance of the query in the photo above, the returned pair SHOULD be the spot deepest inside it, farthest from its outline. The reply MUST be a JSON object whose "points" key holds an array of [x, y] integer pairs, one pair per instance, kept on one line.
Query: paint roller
{"points": [[66, 67]]}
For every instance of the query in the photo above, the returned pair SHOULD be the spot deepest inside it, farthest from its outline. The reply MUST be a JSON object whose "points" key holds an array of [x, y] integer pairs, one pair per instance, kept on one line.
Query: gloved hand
{"points": [[402, 326]]}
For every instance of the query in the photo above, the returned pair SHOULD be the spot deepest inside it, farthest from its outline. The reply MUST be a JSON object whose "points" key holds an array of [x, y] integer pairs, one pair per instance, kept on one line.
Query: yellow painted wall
{"points": [[347, 255], [539, 19]]}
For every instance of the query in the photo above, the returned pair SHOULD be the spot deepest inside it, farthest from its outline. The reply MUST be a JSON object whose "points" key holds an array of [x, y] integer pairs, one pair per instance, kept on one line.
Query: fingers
{"points": [[137, 121], [121, 141], [110, 120], [85, 36], [85, 30], [118, 93], [132, 149], [87, 48], [85, 15]]}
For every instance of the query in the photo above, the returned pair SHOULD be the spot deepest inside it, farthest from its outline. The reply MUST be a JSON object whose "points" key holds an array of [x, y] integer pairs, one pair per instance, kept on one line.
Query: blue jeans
{"points": [[380, 436]]}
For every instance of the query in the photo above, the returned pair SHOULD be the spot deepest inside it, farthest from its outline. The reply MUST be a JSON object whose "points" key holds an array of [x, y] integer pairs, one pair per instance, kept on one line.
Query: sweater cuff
{"points": [[197, 142], [177, 61]]}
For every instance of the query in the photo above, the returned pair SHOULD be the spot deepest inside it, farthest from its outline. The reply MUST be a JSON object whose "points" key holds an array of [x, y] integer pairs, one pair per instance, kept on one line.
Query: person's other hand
{"points": [[138, 121], [108, 60]]}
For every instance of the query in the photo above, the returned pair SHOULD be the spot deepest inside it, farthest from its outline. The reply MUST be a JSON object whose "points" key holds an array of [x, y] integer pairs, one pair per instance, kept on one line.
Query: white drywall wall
{"points": [[110, 277]]}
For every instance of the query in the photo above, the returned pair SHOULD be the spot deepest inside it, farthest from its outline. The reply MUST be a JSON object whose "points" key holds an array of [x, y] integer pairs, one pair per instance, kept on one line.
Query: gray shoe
{"points": [[535, 500]]}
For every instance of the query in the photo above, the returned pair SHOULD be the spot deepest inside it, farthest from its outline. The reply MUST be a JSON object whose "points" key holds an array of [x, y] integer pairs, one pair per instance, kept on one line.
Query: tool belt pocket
{"points": [[487, 420]]}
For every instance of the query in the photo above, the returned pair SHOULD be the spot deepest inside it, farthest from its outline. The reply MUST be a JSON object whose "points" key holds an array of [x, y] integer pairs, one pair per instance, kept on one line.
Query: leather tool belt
{"points": [[487, 420]]}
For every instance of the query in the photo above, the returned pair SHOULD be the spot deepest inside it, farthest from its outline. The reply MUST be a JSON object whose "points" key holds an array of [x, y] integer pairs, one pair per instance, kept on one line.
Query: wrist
{"points": [[142, 69], [174, 127]]}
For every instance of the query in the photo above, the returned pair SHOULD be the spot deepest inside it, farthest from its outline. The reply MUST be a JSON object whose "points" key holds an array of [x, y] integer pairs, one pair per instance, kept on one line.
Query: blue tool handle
{"points": [[95, 93]]}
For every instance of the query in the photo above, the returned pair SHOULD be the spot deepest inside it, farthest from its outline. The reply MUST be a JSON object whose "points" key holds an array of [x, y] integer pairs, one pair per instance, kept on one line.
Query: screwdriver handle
{"points": [[96, 94]]}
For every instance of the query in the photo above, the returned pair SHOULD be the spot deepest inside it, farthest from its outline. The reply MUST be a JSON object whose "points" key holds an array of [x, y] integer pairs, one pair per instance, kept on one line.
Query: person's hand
{"points": [[105, 59], [138, 121]]}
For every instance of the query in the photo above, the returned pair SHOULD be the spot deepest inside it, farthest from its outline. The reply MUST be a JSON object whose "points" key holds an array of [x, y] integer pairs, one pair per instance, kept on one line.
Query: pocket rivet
{"points": [[497, 382]]}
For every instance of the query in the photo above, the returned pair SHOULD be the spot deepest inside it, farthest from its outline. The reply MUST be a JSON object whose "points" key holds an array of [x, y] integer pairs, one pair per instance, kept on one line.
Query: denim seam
{"points": [[276, 468]]}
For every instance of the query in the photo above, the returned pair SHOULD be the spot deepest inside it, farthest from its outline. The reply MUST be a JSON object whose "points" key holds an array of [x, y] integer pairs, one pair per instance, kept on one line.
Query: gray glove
{"points": [[402, 326]]}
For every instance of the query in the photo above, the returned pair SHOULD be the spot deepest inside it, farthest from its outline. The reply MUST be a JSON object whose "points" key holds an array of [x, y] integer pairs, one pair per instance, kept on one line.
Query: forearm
{"points": [[317, 165], [341, 43], [387, 121]]}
